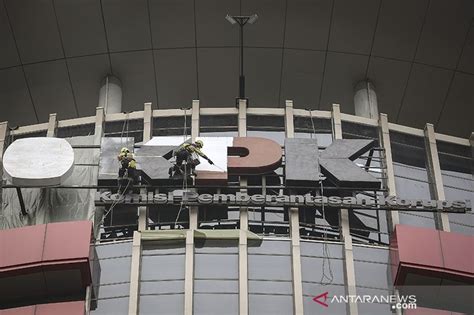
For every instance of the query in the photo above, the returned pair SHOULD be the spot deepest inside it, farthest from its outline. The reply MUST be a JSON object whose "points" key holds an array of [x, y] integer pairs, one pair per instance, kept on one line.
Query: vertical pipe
{"points": [[365, 100], [243, 255], [110, 95]]}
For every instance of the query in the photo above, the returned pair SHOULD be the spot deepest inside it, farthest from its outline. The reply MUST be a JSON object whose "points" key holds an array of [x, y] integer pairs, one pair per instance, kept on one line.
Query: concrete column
{"points": [[389, 173], [349, 273], [296, 261], [434, 176], [195, 120], [243, 255], [98, 134], [134, 292], [289, 123], [147, 122], [189, 273], [110, 95], [242, 119], [52, 124], [365, 100]]}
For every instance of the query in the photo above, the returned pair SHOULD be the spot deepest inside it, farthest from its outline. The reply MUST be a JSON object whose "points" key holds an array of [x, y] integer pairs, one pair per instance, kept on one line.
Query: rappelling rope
{"points": [[326, 253]]}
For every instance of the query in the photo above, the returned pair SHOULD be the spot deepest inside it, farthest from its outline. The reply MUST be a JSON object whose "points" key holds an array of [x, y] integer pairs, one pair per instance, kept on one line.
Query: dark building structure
{"points": [[344, 101]]}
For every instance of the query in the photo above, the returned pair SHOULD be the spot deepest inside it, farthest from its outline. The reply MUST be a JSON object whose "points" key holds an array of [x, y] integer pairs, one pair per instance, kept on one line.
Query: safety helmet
{"points": [[199, 143], [124, 150]]}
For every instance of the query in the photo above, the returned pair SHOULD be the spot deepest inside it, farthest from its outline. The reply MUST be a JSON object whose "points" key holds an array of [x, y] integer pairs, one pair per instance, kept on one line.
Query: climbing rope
{"points": [[325, 279], [184, 185]]}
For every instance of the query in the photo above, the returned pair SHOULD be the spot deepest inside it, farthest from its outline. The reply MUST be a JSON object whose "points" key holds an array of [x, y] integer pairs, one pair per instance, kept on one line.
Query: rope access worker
{"points": [[127, 164], [189, 152]]}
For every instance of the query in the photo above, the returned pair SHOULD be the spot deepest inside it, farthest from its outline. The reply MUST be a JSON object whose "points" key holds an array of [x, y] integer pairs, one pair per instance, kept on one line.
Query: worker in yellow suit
{"points": [[189, 152], [127, 164]]}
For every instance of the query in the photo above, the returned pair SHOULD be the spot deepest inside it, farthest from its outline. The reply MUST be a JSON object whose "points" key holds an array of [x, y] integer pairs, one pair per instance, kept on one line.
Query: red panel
{"points": [[419, 246], [27, 310], [66, 308], [457, 252], [67, 240], [431, 253], [21, 246]]}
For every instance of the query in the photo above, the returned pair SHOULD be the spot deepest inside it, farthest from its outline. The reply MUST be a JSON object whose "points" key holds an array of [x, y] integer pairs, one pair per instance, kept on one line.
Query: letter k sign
{"points": [[304, 163], [337, 164]]}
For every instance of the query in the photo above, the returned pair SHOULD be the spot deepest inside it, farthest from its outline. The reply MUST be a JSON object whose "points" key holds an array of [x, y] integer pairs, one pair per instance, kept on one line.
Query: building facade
{"points": [[230, 259]]}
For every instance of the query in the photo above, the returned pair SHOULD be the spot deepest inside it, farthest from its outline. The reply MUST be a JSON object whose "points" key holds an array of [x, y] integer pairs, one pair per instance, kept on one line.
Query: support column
{"points": [[389, 173], [293, 214], [471, 140], [147, 134], [189, 273], [189, 262], [98, 134], [434, 176], [195, 120], [296, 261], [110, 95], [349, 272], [134, 299], [289, 122], [147, 122], [52, 124], [365, 100], [243, 255], [242, 119]]}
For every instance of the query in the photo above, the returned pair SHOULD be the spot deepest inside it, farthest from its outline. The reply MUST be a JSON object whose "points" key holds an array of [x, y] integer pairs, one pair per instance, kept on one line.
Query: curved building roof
{"points": [[419, 55]]}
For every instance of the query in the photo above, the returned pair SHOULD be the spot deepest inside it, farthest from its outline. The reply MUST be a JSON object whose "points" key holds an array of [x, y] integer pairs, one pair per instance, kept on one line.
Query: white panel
{"points": [[38, 161]]}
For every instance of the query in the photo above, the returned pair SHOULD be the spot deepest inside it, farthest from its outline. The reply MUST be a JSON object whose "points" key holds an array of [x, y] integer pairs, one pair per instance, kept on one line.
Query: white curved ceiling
{"points": [[419, 54]]}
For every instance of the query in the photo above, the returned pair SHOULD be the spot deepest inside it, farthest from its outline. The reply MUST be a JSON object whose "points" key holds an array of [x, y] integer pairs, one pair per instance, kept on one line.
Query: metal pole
{"points": [[242, 77]]}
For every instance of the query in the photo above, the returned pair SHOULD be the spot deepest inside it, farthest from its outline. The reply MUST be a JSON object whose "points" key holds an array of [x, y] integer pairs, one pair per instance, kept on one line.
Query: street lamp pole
{"points": [[242, 21]]}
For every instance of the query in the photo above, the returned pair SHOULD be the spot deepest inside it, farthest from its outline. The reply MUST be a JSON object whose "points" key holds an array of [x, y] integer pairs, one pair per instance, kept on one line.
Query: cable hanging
{"points": [[325, 279]]}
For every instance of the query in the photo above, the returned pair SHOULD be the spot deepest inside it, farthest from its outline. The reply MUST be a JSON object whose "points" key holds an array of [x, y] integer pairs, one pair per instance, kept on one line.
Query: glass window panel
{"points": [[372, 275], [162, 267], [216, 246], [216, 266], [311, 290], [269, 267], [216, 304], [277, 136], [312, 269], [161, 304], [114, 290], [373, 308], [270, 304], [316, 249], [162, 249], [216, 286], [115, 270], [459, 186], [373, 254], [324, 139], [271, 247], [114, 250], [266, 287], [161, 287], [111, 306]]}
